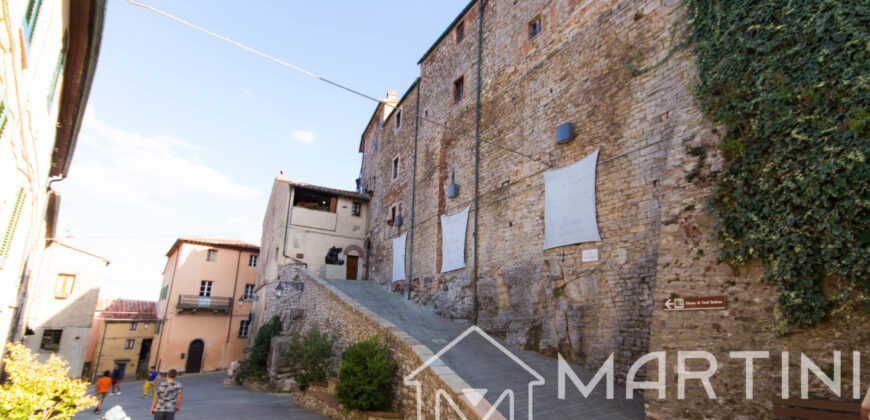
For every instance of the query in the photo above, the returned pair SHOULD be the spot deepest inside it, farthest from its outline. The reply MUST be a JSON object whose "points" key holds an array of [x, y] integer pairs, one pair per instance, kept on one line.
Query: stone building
{"points": [[544, 64], [302, 223], [60, 306], [122, 333], [205, 305], [47, 65]]}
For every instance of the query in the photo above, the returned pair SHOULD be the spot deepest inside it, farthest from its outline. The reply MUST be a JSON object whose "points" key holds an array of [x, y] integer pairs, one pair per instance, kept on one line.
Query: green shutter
{"points": [[4, 116], [58, 69], [30, 16], [14, 215]]}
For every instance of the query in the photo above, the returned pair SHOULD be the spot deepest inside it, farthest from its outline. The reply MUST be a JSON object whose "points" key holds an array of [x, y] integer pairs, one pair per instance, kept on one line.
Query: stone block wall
{"points": [[311, 301]]}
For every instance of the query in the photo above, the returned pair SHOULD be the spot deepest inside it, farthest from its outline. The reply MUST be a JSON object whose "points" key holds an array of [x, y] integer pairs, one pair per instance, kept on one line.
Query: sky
{"points": [[184, 133]]}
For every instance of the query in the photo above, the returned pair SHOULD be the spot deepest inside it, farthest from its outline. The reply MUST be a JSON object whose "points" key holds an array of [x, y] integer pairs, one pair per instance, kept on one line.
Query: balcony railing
{"points": [[215, 303]]}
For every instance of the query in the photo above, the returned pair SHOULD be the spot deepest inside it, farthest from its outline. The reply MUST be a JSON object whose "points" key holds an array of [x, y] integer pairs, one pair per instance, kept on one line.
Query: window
{"points": [[146, 325], [205, 288], [243, 328], [376, 146], [249, 292], [392, 213], [396, 167], [211, 256], [534, 27], [157, 327], [252, 261], [129, 344], [458, 88], [133, 326], [378, 121], [30, 16], [63, 286], [51, 340], [460, 32], [11, 225], [58, 70], [398, 118], [356, 208]]}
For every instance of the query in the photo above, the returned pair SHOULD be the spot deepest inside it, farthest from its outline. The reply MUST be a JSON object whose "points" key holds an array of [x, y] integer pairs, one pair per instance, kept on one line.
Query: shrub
{"points": [[40, 390], [309, 356], [258, 354], [366, 376]]}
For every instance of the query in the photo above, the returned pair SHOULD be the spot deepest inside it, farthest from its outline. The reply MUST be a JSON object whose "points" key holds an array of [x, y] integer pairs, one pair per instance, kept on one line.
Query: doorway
{"points": [[144, 355], [352, 263], [194, 356]]}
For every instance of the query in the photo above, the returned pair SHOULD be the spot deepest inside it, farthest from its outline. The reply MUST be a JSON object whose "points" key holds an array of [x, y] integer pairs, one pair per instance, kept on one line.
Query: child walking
{"points": [[102, 388]]}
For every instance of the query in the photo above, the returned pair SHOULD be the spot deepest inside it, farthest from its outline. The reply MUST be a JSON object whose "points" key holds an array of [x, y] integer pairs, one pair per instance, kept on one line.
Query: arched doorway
{"points": [[194, 356]]}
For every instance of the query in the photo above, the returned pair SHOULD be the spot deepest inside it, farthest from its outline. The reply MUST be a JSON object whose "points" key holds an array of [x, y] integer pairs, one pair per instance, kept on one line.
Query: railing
{"points": [[217, 303]]}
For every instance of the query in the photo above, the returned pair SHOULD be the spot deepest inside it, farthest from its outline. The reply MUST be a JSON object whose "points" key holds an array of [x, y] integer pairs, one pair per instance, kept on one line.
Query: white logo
{"points": [[473, 396]]}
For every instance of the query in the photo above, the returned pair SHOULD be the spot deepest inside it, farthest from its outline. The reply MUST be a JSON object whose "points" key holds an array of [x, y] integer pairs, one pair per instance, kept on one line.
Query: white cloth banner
{"points": [[453, 240], [399, 258], [569, 204]]}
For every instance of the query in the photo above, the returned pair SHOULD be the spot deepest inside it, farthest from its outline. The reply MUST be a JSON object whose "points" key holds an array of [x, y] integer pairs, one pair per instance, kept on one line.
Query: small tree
{"points": [[309, 356], [258, 354], [366, 376], [40, 390]]}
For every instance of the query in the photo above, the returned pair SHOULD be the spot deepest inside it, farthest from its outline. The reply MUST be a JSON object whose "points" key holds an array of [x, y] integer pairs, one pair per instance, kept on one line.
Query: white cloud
{"points": [[147, 171], [306, 137]]}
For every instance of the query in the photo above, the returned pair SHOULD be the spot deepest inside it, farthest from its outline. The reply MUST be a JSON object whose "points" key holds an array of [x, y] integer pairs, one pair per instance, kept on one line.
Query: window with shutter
{"points": [[11, 225], [30, 16]]}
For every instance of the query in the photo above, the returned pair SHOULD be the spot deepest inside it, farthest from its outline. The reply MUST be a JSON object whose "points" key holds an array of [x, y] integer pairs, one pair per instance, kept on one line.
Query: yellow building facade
{"points": [[122, 334]]}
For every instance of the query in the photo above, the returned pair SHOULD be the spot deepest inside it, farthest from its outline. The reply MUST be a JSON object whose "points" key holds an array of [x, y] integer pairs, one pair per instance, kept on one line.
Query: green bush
{"points": [[366, 376], [309, 356], [258, 354]]}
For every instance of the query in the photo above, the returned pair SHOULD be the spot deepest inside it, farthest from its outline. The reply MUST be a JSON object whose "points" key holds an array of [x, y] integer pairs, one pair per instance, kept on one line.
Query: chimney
{"points": [[391, 94]]}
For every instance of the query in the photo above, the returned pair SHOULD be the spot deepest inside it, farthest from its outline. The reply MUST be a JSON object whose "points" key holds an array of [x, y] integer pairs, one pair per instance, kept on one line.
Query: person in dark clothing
{"points": [[116, 380]]}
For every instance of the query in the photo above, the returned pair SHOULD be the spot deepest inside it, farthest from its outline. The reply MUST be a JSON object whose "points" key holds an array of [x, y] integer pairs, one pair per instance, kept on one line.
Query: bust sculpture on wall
{"points": [[332, 256]]}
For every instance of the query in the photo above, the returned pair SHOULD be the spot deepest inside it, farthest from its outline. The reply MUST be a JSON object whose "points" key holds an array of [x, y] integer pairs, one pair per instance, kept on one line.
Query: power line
{"points": [[321, 78]]}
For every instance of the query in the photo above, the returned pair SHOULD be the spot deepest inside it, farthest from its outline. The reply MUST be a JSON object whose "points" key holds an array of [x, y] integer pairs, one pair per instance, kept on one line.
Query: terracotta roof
{"points": [[126, 310], [344, 193], [215, 242]]}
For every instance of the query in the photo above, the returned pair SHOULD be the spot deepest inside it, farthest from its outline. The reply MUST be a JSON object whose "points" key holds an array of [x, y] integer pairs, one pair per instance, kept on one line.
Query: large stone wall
{"points": [[651, 213], [573, 71]]}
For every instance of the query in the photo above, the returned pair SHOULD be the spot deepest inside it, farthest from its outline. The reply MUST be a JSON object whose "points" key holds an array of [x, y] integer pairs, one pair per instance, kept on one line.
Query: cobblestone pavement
{"points": [[206, 397], [482, 365]]}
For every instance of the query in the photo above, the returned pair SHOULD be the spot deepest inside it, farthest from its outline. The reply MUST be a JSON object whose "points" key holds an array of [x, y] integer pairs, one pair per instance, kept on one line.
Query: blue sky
{"points": [[184, 133]]}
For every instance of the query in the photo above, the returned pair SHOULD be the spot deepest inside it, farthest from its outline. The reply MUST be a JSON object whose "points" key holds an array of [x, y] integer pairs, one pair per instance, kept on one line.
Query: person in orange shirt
{"points": [[102, 388]]}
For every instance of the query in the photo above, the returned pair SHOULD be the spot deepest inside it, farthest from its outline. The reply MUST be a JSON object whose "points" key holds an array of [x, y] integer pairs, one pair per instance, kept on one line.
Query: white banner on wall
{"points": [[453, 240], [399, 258], [569, 204]]}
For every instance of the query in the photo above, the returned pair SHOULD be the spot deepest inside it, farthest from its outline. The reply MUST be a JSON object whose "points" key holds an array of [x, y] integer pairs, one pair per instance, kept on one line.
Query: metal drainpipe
{"points": [[414, 189], [475, 303]]}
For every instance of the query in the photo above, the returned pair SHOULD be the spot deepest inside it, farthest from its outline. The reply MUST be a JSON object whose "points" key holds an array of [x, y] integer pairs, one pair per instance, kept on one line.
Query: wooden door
{"points": [[194, 356], [352, 262]]}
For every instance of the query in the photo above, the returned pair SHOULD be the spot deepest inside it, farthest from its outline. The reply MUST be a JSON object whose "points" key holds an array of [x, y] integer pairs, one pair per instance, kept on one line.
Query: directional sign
{"points": [[703, 303]]}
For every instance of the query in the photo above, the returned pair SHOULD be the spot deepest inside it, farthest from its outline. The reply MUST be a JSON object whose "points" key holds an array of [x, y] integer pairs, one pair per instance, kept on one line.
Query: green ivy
{"points": [[790, 82]]}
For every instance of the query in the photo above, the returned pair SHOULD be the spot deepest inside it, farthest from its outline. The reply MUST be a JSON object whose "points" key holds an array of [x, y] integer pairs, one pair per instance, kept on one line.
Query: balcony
{"points": [[194, 303]]}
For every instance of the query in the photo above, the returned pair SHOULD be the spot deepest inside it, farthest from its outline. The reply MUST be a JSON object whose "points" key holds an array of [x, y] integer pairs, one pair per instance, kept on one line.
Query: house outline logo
{"points": [[473, 395]]}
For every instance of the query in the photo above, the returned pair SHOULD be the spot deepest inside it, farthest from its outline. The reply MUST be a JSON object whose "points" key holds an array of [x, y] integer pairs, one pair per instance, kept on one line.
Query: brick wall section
{"points": [[571, 72], [309, 300]]}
